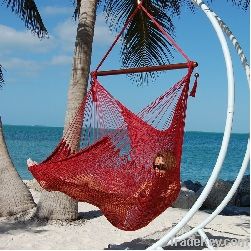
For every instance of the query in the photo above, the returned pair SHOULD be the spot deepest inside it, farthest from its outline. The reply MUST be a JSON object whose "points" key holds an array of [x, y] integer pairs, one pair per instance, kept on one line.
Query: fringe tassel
{"points": [[94, 86], [193, 91]]}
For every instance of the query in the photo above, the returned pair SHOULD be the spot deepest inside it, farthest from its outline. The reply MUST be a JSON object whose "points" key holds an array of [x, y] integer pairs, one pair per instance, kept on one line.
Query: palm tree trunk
{"points": [[15, 196], [56, 205]]}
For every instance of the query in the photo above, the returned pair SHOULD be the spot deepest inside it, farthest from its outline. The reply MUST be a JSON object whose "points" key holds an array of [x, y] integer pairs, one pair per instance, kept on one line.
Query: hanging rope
{"points": [[168, 37]]}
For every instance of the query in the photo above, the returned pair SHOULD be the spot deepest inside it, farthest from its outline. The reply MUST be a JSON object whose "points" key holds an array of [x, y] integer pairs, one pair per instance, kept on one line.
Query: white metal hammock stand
{"points": [[220, 28]]}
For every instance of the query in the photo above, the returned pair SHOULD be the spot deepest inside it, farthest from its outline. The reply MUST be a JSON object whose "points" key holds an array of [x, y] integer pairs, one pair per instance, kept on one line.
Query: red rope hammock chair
{"points": [[114, 171]]}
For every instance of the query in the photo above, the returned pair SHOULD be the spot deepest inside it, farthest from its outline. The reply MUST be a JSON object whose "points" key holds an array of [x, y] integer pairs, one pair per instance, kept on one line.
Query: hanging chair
{"points": [[129, 166]]}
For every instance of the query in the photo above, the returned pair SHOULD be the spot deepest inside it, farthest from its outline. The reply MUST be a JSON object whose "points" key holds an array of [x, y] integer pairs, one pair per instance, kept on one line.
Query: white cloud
{"points": [[22, 67], [12, 39], [67, 30], [61, 60], [60, 46], [102, 33], [57, 10], [18, 63]]}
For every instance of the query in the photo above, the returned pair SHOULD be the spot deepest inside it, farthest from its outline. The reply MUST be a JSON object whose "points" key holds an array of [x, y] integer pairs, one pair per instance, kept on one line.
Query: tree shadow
{"points": [[89, 215], [193, 243], [31, 225], [244, 224]]}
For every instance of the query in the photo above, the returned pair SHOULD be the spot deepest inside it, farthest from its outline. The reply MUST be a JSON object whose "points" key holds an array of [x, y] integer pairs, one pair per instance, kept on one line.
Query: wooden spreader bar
{"points": [[146, 69]]}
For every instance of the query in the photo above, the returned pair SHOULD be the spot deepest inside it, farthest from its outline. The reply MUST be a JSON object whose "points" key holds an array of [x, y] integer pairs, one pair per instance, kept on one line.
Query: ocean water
{"points": [[200, 151]]}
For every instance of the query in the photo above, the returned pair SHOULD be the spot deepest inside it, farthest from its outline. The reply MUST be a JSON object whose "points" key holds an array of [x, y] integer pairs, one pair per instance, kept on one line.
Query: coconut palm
{"points": [[14, 194], [141, 40]]}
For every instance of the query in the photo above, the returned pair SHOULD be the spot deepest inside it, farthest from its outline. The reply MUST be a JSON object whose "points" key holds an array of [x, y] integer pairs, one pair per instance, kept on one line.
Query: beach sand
{"points": [[93, 231]]}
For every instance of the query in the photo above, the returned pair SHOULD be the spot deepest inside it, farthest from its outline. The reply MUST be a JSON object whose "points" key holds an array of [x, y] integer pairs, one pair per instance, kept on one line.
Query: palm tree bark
{"points": [[15, 196], [56, 205]]}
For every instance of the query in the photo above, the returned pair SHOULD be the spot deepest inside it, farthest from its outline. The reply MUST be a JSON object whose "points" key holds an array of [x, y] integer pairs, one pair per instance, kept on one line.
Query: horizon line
{"points": [[63, 127]]}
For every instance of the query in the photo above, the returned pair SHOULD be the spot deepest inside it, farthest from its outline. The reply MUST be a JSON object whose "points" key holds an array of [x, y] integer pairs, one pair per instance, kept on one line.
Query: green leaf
{"points": [[27, 11]]}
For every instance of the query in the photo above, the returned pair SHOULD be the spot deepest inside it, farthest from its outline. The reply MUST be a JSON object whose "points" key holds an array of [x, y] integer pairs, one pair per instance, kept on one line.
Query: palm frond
{"points": [[1, 76], [28, 12], [77, 4], [143, 44]]}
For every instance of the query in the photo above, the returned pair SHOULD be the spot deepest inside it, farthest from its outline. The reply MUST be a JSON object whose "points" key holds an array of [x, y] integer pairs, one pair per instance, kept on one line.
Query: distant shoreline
{"points": [[199, 155], [61, 127]]}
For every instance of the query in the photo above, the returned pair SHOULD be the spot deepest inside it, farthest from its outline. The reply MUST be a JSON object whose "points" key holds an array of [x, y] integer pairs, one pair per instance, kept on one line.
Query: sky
{"points": [[38, 71]]}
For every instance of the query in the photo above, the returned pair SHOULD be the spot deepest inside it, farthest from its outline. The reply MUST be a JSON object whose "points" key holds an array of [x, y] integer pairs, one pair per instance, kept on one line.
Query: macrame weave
{"points": [[114, 169]]}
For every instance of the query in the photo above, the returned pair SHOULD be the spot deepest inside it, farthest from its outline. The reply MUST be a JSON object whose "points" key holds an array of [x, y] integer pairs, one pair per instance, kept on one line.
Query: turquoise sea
{"points": [[200, 150]]}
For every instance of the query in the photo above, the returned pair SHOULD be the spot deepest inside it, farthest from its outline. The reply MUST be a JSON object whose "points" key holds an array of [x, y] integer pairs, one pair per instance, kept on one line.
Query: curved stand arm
{"points": [[228, 126], [246, 159]]}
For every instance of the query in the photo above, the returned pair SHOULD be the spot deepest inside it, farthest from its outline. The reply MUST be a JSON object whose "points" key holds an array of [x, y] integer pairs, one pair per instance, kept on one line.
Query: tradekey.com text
{"points": [[213, 242]]}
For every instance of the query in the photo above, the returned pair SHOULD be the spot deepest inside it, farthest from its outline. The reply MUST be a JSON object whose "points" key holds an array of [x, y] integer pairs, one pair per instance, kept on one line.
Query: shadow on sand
{"points": [[193, 243], [90, 215], [31, 225]]}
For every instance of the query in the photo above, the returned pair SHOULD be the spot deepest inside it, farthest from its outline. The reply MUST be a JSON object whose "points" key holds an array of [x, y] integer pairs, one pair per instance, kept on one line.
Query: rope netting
{"points": [[117, 168], [114, 170]]}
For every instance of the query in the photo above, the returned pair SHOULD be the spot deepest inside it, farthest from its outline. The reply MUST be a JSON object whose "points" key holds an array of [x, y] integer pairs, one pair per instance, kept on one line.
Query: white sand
{"points": [[93, 231]]}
